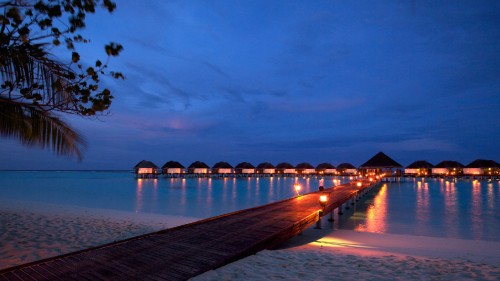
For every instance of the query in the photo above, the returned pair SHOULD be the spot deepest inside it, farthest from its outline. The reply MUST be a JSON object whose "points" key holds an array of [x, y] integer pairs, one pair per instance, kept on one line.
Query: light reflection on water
{"points": [[461, 209]]}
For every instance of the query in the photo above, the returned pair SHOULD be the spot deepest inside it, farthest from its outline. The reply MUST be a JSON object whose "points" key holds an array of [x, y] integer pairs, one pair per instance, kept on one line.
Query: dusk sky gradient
{"points": [[290, 81]]}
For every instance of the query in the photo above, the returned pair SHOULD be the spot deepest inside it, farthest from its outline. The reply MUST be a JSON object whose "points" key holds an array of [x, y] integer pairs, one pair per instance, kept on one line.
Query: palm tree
{"points": [[34, 86]]}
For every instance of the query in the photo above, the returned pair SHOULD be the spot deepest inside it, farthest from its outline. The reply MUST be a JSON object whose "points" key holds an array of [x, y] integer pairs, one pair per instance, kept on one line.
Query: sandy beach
{"points": [[351, 255], [34, 231]]}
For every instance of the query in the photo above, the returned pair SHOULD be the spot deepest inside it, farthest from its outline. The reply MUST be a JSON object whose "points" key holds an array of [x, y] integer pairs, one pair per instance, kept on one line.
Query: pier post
{"points": [[340, 210], [318, 223], [330, 219]]}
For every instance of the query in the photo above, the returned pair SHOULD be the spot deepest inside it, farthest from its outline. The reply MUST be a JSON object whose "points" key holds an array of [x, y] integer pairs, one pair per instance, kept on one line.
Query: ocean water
{"points": [[439, 208], [199, 198], [465, 209]]}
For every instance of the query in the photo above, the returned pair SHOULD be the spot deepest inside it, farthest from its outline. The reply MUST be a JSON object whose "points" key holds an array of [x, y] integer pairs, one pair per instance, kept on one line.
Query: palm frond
{"points": [[28, 66], [33, 127]]}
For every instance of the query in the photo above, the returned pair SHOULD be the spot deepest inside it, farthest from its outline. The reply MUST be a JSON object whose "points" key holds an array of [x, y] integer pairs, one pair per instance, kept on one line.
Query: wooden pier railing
{"points": [[186, 251]]}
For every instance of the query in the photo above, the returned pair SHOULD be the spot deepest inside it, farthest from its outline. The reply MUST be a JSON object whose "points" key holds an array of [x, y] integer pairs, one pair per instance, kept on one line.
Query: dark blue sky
{"points": [[295, 81]]}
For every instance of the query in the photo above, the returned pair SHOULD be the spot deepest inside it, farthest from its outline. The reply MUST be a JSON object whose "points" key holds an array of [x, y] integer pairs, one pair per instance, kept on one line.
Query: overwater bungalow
{"points": [[448, 168], [380, 163], [305, 169], [326, 169], [481, 167], [346, 169], [173, 168], [222, 168], [145, 169], [244, 168], [419, 168], [285, 168], [265, 168], [198, 168]]}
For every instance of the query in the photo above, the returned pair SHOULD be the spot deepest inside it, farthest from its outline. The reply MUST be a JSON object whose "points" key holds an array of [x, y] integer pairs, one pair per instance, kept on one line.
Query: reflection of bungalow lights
{"points": [[323, 198], [297, 188], [359, 184]]}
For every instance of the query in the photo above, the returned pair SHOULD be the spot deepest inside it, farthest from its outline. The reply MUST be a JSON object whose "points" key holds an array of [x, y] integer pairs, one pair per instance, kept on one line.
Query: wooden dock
{"points": [[186, 251]]}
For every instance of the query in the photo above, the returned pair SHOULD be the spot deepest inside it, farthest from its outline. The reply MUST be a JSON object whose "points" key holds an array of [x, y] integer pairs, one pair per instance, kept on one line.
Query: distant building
{"points": [[285, 168], [305, 169], [198, 167], [380, 163], [346, 169], [481, 167], [419, 168], [173, 167], [266, 168], [326, 169], [244, 168], [222, 168], [448, 168], [145, 168]]}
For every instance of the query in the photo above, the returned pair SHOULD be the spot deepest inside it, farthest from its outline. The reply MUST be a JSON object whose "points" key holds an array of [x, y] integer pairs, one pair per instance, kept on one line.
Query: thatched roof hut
{"points": [[420, 167], [448, 167], [145, 167], [222, 168], [266, 168], [346, 169], [198, 167], [305, 168], [482, 167], [173, 167], [326, 169], [380, 161], [244, 168], [285, 168]]}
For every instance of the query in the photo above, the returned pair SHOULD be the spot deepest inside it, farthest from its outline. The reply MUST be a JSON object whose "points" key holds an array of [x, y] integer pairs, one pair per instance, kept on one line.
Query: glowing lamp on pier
{"points": [[323, 198], [359, 184], [297, 188]]}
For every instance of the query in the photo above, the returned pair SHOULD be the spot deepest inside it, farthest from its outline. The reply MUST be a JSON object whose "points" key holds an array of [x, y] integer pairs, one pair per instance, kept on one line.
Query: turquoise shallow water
{"points": [[463, 209]]}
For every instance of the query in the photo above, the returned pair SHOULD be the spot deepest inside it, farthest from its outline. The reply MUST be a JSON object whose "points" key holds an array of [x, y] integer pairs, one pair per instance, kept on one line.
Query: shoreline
{"points": [[31, 231]]}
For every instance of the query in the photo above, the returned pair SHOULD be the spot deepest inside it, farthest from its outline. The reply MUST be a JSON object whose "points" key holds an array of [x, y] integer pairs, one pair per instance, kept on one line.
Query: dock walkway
{"points": [[186, 251]]}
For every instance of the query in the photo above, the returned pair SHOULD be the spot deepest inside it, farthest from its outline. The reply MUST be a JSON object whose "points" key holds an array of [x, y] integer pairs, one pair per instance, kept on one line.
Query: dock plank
{"points": [[186, 251]]}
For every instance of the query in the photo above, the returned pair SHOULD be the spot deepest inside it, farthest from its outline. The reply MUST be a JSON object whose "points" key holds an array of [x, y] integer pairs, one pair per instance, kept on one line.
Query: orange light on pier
{"points": [[323, 199], [297, 188], [359, 184]]}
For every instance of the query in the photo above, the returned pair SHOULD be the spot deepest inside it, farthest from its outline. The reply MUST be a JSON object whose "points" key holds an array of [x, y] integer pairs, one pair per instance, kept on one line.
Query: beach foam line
{"points": [[352, 255], [31, 231]]}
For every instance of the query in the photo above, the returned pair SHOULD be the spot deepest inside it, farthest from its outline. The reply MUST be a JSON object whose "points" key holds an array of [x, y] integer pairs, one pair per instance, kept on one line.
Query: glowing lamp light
{"points": [[297, 188], [359, 184], [323, 199]]}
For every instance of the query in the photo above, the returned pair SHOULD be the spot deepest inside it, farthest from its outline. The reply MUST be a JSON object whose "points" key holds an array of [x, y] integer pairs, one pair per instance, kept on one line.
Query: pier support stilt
{"points": [[340, 211], [318, 223], [330, 219]]}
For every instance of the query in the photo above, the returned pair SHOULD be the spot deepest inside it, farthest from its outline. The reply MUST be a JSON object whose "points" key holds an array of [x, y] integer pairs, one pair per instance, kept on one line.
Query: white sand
{"points": [[32, 231], [350, 255]]}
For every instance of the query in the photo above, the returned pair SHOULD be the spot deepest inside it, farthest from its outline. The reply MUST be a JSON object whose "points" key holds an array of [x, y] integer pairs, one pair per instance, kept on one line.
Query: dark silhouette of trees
{"points": [[35, 86]]}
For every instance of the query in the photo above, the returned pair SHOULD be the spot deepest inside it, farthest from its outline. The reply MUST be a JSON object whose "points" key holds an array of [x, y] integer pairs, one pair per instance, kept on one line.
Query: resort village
{"points": [[378, 164]]}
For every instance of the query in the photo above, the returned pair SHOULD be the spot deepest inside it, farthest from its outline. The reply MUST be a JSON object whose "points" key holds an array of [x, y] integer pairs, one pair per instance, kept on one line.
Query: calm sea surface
{"points": [[462, 209]]}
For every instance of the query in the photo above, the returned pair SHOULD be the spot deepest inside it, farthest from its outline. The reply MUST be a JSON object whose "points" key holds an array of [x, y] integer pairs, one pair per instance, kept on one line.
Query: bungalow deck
{"points": [[186, 251]]}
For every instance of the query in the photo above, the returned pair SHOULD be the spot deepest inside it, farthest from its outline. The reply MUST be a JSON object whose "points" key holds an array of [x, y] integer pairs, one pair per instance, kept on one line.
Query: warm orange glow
{"points": [[323, 199], [359, 184], [297, 188], [337, 242]]}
